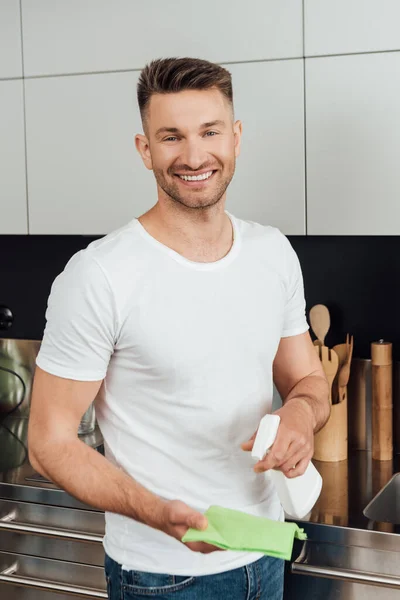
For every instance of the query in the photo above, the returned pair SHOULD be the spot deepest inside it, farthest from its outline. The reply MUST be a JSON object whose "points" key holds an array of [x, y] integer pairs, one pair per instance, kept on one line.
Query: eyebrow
{"points": [[217, 122]]}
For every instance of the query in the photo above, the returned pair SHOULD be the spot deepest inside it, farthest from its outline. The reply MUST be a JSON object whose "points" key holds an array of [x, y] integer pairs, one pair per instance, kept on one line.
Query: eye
{"points": [[170, 138], [211, 133]]}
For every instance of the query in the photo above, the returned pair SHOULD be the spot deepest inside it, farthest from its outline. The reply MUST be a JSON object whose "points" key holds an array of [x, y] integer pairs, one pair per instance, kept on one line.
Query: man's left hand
{"points": [[294, 444]]}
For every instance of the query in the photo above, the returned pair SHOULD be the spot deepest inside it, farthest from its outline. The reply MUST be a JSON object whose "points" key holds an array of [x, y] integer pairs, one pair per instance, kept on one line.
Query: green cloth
{"points": [[235, 530]]}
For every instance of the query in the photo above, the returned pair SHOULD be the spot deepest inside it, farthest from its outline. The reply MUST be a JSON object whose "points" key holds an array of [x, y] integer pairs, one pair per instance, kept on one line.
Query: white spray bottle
{"points": [[297, 495]]}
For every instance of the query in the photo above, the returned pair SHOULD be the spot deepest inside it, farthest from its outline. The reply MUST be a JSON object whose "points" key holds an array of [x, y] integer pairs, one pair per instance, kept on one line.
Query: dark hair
{"points": [[171, 75]]}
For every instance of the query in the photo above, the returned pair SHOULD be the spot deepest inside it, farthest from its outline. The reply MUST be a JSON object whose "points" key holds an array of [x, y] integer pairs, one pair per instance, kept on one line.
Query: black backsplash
{"points": [[357, 277]]}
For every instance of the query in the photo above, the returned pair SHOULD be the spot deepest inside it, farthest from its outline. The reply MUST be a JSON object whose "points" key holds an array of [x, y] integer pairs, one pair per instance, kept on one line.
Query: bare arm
{"points": [[299, 376], [56, 452], [301, 382]]}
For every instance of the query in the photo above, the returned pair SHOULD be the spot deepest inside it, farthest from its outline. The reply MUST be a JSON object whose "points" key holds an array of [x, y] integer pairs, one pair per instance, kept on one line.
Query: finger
{"points": [[202, 547], [182, 514], [293, 456], [294, 459], [275, 457], [247, 446], [197, 521], [299, 468]]}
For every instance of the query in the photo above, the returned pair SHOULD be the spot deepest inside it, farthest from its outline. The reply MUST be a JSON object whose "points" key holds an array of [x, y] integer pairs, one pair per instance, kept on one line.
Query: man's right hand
{"points": [[177, 517]]}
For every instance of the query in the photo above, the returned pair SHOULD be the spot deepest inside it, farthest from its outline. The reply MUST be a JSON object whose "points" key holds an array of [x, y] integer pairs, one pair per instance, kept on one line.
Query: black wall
{"points": [[356, 277]]}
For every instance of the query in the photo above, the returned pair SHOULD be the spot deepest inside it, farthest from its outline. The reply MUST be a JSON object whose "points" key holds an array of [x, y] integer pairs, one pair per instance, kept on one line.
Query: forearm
{"points": [[92, 479], [311, 396]]}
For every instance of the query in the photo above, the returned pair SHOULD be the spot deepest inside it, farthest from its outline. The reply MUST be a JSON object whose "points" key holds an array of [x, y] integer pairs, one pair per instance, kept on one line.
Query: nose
{"points": [[193, 155]]}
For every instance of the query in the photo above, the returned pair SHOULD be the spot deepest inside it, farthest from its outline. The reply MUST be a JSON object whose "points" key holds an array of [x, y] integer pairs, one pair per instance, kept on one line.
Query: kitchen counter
{"points": [[19, 481], [348, 486], [345, 556]]}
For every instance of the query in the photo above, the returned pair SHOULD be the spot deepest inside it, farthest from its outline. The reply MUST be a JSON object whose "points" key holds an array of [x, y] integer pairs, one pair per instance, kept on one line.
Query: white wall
{"points": [[352, 116], [314, 123], [86, 36]]}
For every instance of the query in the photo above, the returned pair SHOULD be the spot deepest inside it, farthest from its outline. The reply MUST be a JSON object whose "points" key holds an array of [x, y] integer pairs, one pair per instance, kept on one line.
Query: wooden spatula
{"points": [[341, 350], [344, 373], [345, 354], [330, 364], [320, 321]]}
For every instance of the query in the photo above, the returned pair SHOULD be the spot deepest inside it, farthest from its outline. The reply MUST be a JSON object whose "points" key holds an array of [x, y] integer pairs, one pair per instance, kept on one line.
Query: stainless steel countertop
{"points": [[348, 486], [19, 481]]}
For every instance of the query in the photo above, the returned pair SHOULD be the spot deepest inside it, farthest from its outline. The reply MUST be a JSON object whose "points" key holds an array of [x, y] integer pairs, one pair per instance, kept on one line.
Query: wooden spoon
{"points": [[320, 321]]}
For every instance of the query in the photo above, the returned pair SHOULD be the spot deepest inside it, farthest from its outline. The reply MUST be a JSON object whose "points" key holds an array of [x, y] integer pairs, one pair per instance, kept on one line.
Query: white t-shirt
{"points": [[186, 350]]}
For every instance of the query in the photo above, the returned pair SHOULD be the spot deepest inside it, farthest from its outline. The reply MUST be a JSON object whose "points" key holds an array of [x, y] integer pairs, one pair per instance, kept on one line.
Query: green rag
{"points": [[235, 530]]}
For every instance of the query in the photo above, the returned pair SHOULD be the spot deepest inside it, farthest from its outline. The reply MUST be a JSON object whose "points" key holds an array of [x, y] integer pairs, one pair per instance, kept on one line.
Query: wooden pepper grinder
{"points": [[382, 400]]}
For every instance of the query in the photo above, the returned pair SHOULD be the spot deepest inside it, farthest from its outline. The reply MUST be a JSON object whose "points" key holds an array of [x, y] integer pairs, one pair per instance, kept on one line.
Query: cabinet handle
{"points": [[353, 576], [9, 576], [7, 523]]}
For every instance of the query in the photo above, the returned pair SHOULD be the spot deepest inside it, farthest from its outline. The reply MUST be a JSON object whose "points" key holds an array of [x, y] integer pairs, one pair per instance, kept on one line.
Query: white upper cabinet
{"points": [[348, 26], [353, 144], [84, 173], [86, 177], [103, 35], [10, 39], [13, 213], [268, 186]]}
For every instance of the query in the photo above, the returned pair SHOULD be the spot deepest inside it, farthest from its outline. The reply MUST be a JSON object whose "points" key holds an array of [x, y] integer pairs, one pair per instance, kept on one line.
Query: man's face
{"points": [[191, 144]]}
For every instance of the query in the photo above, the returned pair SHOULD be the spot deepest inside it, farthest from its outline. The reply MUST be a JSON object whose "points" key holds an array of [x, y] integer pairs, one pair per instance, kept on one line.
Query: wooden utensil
{"points": [[330, 364], [341, 351], [345, 354], [320, 321], [344, 373]]}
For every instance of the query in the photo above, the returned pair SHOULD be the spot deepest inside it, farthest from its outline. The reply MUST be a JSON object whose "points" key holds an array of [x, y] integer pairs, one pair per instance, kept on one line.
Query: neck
{"points": [[203, 235]]}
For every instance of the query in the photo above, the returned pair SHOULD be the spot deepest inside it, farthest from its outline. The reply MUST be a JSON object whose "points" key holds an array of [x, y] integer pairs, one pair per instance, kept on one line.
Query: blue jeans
{"points": [[261, 580]]}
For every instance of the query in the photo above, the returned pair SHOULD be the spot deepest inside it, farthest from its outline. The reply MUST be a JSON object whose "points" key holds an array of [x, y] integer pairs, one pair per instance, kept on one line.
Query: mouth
{"points": [[198, 180]]}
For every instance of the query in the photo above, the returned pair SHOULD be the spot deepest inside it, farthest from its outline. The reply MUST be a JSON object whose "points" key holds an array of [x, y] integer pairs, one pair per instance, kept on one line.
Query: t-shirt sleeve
{"points": [[295, 321], [81, 322]]}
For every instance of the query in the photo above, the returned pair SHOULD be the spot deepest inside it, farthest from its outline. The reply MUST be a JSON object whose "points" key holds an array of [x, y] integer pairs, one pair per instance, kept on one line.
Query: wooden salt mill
{"points": [[382, 400]]}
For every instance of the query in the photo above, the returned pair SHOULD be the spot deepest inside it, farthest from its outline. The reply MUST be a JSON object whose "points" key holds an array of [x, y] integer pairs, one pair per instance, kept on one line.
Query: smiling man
{"points": [[178, 324]]}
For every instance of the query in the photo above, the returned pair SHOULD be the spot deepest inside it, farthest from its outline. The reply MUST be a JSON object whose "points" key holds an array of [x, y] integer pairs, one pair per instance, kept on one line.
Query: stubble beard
{"points": [[193, 199]]}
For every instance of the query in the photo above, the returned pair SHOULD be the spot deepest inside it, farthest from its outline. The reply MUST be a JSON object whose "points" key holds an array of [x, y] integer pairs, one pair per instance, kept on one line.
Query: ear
{"points": [[237, 133], [142, 146]]}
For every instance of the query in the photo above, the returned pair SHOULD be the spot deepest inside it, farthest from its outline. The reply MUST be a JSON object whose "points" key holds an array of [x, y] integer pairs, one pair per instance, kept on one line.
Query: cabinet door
{"points": [[353, 144], [347, 26], [83, 37], [10, 39], [13, 211], [268, 185], [84, 173]]}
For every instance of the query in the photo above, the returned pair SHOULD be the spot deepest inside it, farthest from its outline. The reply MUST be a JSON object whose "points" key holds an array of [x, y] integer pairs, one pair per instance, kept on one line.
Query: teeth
{"points": [[196, 178]]}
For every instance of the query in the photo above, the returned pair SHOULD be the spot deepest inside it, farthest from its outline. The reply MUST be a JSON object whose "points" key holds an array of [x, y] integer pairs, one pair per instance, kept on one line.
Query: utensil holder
{"points": [[330, 443]]}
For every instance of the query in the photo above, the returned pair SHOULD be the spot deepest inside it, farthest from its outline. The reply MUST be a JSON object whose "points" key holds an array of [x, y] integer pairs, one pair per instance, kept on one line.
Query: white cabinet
{"points": [[10, 39], [353, 144], [85, 176], [13, 210], [100, 35], [268, 186], [347, 26]]}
